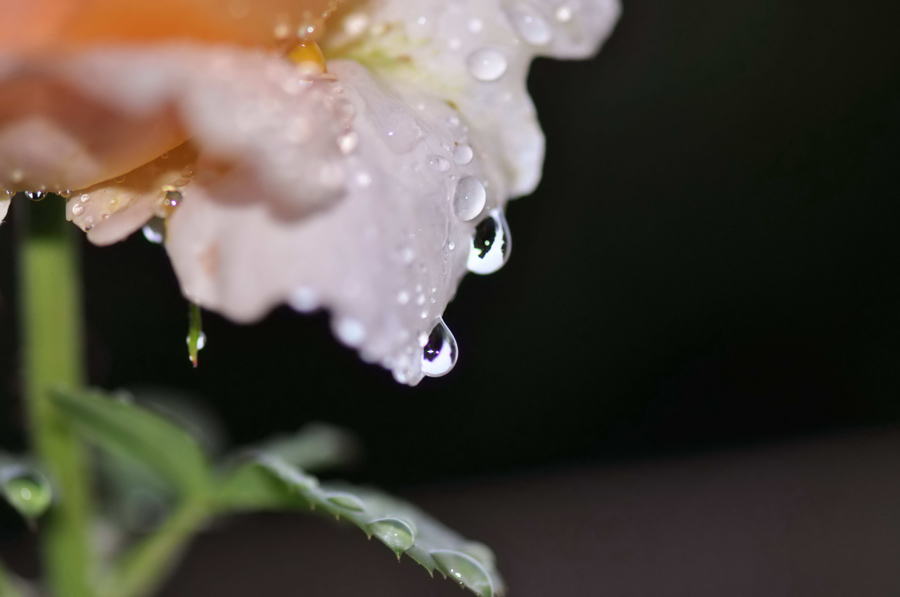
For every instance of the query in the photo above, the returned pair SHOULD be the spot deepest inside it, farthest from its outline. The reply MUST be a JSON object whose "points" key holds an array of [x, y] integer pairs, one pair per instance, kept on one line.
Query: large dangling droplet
{"points": [[491, 244], [441, 352]]}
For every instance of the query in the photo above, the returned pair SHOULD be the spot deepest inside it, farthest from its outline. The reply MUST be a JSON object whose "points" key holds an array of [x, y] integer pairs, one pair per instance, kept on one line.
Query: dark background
{"points": [[710, 263]]}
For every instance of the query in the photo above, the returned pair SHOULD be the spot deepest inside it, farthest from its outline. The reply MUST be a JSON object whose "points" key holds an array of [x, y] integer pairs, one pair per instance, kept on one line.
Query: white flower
{"points": [[359, 190]]}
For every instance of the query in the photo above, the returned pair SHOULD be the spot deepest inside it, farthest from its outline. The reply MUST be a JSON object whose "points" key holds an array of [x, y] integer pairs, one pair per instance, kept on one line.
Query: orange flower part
{"points": [[63, 25]]}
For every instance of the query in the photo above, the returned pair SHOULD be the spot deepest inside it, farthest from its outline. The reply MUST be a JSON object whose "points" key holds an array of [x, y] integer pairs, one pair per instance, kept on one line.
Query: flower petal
{"points": [[476, 54], [385, 259], [4, 207], [64, 25]]}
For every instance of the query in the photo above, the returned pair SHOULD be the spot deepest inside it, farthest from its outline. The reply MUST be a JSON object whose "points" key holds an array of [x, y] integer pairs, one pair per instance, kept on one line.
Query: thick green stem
{"points": [[52, 337]]}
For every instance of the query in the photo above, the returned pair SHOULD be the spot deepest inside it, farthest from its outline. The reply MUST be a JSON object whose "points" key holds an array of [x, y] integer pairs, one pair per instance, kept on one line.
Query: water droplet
{"points": [[487, 65], [440, 352], [396, 534], [465, 570], [564, 14], [348, 142], [350, 331], [169, 203], [26, 490], [77, 209], [439, 164], [463, 154], [155, 231], [403, 298], [85, 198], [491, 244], [529, 24], [347, 502], [470, 199], [119, 179], [304, 300], [201, 341]]}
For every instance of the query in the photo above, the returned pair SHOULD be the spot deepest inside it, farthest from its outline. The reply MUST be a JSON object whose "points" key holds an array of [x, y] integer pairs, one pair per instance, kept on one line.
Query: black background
{"points": [[711, 260]]}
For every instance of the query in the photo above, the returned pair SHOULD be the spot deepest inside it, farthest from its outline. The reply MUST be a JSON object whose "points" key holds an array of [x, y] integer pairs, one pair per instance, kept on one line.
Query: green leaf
{"points": [[315, 447], [26, 489], [405, 529], [119, 426]]}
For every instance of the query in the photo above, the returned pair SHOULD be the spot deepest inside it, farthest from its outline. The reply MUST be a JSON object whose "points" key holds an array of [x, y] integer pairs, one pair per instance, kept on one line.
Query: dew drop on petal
{"points": [[350, 331], [470, 199], [463, 154], [439, 164], [77, 209], [304, 300], [529, 24], [487, 65], [491, 244], [440, 352]]}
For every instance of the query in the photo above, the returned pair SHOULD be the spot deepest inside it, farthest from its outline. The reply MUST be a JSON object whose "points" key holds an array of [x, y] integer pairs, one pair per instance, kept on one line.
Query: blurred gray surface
{"points": [[818, 518]]}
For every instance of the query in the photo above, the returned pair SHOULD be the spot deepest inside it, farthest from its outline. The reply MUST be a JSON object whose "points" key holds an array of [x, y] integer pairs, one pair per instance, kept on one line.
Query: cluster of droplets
{"points": [[466, 565]]}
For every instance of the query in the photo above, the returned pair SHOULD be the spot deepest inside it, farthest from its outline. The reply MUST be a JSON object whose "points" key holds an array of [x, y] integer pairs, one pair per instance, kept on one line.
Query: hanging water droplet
{"points": [[26, 490], [396, 534], [470, 199], [440, 353], [350, 331], [347, 502], [491, 244], [529, 24], [155, 231], [487, 65], [305, 300], [463, 154], [465, 570]]}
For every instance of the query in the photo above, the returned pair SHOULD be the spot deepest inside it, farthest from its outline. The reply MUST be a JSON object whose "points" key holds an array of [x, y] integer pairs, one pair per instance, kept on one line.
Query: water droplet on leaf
{"points": [[28, 491], [465, 570], [396, 534]]}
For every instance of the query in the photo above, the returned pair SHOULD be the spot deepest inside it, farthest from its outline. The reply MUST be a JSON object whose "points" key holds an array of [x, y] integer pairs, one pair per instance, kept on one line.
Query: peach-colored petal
{"points": [[4, 207], [54, 137], [65, 25], [114, 209]]}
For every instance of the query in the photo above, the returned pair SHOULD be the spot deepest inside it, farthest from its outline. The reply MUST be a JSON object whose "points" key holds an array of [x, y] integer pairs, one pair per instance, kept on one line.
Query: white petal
{"points": [[380, 258], [476, 54], [4, 207]]}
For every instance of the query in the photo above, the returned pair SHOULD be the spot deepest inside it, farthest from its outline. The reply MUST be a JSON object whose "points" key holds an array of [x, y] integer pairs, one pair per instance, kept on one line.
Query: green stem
{"points": [[142, 570], [52, 337], [8, 583]]}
